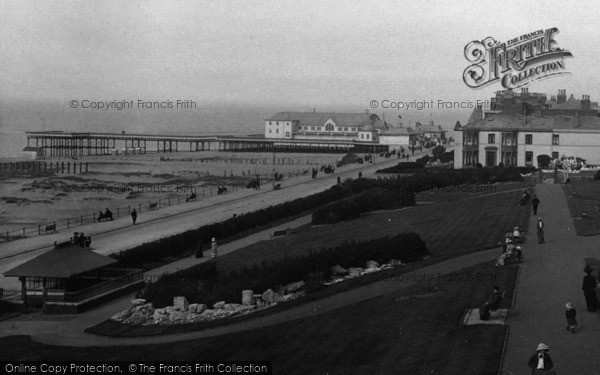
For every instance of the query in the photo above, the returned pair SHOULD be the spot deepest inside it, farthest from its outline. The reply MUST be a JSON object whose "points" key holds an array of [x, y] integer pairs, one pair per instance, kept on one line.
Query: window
{"points": [[367, 136], [554, 155], [270, 131], [362, 136], [312, 128], [329, 127], [491, 138], [509, 139], [528, 156], [528, 139], [555, 139], [276, 130], [287, 134]]}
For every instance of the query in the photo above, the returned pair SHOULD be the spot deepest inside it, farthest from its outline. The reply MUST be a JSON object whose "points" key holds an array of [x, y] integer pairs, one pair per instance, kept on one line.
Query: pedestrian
{"points": [[213, 247], [199, 250], [133, 216], [589, 290], [535, 202], [360, 174], [339, 180], [541, 359], [570, 314], [516, 234], [540, 230]]}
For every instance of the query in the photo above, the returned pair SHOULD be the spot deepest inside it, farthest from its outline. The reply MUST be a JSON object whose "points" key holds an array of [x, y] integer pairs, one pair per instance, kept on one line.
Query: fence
{"points": [[43, 167], [72, 222]]}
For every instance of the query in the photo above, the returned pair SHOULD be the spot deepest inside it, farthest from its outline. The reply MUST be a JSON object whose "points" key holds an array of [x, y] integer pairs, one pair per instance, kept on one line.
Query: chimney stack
{"points": [[561, 97], [586, 104]]}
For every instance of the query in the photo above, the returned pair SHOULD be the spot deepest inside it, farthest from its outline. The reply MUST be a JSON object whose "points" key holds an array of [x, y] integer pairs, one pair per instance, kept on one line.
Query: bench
{"points": [[153, 206], [279, 233], [51, 228]]}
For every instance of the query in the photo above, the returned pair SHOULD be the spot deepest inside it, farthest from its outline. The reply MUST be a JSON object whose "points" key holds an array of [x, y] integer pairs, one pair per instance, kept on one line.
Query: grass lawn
{"points": [[584, 196], [413, 331], [449, 229]]}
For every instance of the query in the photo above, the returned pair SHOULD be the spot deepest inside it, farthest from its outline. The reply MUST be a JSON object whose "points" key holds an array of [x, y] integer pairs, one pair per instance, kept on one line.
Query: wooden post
{"points": [[23, 293]]}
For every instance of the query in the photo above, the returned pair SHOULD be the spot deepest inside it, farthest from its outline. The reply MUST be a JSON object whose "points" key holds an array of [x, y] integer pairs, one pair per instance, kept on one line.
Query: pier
{"points": [[73, 144]]}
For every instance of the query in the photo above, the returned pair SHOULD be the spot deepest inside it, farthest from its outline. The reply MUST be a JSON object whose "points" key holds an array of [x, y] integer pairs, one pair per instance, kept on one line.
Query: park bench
{"points": [[51, 228], [153, 206], [280, 233]]}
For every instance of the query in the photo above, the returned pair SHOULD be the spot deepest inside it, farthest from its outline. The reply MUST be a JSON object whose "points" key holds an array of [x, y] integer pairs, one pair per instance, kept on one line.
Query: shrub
{"points": [[597, 175], [543, 160], [437, 151]]}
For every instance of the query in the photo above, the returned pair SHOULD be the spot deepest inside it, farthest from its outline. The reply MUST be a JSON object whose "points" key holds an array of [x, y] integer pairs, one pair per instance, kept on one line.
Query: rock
{"points": [[121, 316], [355, 271], [339, 270], [280, 290], [170, 309], [138, 302], [181, 303], [371, 264], [159, 316], [177, 315], [267, 296], [394, 262], [145, 309], [200, 308], [219, 305], [137, 317], [231, 306], [294, 287], [192, 307], [160, 311], [260, 302], [248, 298]]}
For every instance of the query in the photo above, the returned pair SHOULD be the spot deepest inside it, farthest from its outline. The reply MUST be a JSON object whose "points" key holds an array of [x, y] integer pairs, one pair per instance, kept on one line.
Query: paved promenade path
{"points": [[551, 275]]}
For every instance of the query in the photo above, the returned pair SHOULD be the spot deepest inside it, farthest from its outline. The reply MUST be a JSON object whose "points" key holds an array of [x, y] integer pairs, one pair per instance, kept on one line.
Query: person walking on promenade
{"points": [[541, 359], [589, 290], [535, 202], [540, 230], [134, 216], [516, 234], [359, 174], [571, 315], [213, 247]]}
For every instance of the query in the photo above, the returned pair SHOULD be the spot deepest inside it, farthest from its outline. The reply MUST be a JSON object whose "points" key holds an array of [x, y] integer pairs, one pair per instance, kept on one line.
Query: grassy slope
{"points": [[415, 331], [584, 196]]}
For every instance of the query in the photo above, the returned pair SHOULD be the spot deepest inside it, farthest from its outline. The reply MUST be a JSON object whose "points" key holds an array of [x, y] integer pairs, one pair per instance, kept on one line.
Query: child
{"points": [[571, 313]]}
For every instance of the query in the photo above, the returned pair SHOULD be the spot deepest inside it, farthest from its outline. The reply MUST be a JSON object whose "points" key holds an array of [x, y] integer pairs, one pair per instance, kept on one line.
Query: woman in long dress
{"points": [[589, 290]]}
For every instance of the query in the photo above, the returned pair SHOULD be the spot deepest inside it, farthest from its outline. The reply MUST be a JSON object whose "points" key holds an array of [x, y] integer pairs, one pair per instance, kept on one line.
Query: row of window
{"points": [[508, 158], [508, 139]]}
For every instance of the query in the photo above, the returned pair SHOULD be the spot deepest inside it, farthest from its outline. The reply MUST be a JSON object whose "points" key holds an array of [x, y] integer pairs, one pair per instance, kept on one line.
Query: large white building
{"points": [[360, 127], [517, 132]]}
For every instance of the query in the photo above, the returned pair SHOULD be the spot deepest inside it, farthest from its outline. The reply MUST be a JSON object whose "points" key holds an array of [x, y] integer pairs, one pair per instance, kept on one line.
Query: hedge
{"points": [[207, 284]]}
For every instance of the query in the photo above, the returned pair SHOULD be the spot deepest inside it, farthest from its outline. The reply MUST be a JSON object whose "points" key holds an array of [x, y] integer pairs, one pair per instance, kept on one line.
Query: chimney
{"points": [[524, 93], [561, 97], [586, 104]]}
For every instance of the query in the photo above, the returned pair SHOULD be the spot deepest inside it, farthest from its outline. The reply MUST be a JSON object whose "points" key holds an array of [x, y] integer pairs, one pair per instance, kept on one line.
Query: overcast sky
{"points": [[276, 52]]}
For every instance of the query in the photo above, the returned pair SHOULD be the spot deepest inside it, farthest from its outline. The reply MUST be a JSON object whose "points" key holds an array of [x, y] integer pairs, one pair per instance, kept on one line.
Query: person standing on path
{"points": [[359, 174], [133, 216], [589, 290], [535, 202], [571, 315], [213, 247], [540, 230], [541, 359]]}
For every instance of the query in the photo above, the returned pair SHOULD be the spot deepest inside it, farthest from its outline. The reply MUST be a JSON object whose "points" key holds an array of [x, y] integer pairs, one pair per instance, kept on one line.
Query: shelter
{"points": [[67, 277]]}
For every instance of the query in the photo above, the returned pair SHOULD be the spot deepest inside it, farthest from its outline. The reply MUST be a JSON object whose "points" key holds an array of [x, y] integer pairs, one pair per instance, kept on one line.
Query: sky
{"points": [[280, 55]]}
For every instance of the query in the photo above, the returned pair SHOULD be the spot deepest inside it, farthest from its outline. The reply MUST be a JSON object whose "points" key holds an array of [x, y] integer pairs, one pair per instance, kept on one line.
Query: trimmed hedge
{"points": [[370, 200], [207, 284]]}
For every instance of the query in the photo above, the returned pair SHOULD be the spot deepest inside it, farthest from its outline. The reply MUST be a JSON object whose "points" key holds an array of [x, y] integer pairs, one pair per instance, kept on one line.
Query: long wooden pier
{"points": [[72, 144]]}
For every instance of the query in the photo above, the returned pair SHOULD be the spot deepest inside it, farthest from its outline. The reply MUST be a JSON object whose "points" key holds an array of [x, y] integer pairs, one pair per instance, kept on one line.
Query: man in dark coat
{"points": [[589, 290], [494, 303], [133, 216], [535, 202], [541, 359]]}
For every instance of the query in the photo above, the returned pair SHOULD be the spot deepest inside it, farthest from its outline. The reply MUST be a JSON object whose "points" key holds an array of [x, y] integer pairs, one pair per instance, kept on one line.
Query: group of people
{"points": [[213, 248], [511, 250], [81, 240], [105, 216]]}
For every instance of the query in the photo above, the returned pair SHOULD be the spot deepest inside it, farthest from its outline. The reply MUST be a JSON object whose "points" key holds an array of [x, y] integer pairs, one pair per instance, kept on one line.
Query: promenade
{"points": [[551, 275]]}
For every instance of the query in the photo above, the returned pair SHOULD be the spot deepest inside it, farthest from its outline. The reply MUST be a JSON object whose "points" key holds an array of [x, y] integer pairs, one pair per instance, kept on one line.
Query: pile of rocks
{"points": [[340, 273]]}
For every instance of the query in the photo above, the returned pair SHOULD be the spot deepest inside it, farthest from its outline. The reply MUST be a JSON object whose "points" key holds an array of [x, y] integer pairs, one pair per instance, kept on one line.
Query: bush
{"points": [[597, 175], [437, 151], [206, 284], [543, 161]]}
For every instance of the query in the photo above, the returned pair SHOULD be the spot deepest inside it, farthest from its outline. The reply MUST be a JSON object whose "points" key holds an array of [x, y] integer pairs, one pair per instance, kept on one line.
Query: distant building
{"points": [[32, 153], [430, 132], [516, 129], [397, 137], [326, 126]]}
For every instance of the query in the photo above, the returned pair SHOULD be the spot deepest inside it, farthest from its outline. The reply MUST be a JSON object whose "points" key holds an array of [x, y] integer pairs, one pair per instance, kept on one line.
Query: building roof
{"points": [[32, 148], [61, 263], [359, 120], [534, 123], [570, 103], [398, 131]]}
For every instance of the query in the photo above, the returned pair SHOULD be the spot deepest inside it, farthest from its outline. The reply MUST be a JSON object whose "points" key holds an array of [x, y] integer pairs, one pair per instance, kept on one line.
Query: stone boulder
{"points": [[181, 303], [231, 306], [260, 302], [339, 270], [146, 309], [219, 305], [355, 271], [394, 262], [170, 309], [138, 302], [294, 287], [270, 296], [371, 264], [121, 316], [177, 315], [248, 298], [192, 308], [160, 316], [200, 308], [138, 317]]}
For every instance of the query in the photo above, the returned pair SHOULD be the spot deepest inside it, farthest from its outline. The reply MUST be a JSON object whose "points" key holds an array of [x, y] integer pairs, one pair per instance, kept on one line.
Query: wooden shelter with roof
{"points": [[68, 278]]}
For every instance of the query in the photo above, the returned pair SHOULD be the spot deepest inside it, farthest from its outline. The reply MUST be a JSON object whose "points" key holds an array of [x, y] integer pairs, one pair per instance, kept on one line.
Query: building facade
{"points": [[518, 131]]}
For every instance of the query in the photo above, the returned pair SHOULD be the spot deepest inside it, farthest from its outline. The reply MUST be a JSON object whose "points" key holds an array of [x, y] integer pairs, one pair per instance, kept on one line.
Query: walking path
{"points": [[551, 275]]}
